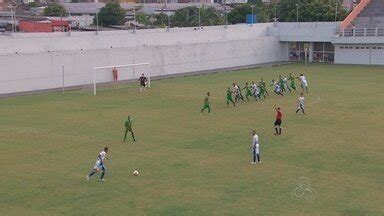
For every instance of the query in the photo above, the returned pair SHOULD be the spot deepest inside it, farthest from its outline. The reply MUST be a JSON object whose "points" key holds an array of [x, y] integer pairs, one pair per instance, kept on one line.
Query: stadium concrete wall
{"points": [[31, 62], [363, 54]]}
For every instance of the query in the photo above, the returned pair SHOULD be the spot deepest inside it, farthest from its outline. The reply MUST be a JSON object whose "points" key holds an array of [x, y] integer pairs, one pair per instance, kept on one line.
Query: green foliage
{"points": [[144, 19], [189, 17], [161, 20], [111, 14], [157, 20], [33, 4], [55, 9], [239, 13], [310, 11]]}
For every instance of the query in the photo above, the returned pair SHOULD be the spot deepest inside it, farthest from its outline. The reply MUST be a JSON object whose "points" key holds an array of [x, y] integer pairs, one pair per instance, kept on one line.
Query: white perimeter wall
{"points": [[31, 62], [359, 54]]}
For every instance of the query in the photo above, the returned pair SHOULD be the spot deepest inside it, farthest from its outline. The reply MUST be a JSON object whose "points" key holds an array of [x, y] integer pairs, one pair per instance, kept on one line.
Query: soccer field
{"points": [[193, 164]]}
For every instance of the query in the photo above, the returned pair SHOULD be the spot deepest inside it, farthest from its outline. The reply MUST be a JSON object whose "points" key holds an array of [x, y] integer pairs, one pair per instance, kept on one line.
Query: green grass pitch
{"points": [[198, 165]]}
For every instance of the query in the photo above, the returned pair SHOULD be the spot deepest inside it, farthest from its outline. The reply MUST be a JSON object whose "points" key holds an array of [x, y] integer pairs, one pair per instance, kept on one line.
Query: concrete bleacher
{"points": [[372, 16]]}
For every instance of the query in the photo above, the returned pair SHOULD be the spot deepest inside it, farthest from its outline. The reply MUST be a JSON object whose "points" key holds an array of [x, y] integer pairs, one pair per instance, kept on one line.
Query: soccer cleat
{"points": [[253, 162], [87, 177], [102, 180]]}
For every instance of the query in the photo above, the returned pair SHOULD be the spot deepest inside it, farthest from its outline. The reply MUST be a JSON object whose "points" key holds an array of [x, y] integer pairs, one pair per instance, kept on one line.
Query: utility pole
{"points": [[97, 22], [226, 18], [297, 13], [252, 6], [275, 12], [134, 20], [199, 20], [336, 11]]}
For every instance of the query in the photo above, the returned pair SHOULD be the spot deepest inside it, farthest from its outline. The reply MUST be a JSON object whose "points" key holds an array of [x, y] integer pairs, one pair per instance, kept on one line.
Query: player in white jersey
{"points": [[277, 87], [99, 165], [285, 81], [255, 148], [300, 103], [255, 91], [304, 84], [237, 91]]}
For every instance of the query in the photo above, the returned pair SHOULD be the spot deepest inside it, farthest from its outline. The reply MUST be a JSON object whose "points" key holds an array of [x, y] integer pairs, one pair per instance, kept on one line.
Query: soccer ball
{"points": [[135, 173]]}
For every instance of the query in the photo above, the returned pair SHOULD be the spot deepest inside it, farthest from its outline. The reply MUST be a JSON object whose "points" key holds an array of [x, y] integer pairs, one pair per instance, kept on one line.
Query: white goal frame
{"points": [[144, 64]]}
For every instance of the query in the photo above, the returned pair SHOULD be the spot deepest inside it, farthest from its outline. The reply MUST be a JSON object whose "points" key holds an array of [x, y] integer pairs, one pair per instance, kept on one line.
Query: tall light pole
{"points": [[134, 20], [275, 12], [226, 18], [252, 6], [297, 13], [199, 20], [97, 22], [335, 11]]}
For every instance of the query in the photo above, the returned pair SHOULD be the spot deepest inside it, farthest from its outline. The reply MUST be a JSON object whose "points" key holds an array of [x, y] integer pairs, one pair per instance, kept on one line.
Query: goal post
{"points": [[133, 66]]}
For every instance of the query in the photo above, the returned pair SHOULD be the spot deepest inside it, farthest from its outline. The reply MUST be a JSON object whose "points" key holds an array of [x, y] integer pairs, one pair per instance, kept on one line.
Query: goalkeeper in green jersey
{"points": [[128, 128], [206, 104], [292, 81], [229, 97], [248, 91]]}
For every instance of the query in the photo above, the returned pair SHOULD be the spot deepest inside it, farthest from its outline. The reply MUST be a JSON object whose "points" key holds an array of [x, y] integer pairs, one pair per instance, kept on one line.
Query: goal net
{"points": [[104, 74]]}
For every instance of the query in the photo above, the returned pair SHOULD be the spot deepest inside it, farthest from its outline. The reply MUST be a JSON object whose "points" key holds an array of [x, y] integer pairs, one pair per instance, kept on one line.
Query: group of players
{"points": [[257, 91]]}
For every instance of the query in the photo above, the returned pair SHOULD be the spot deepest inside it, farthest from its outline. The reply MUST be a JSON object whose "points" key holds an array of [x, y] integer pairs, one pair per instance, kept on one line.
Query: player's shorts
{"points": [[99, 166], [301, 106], [142, 84], [304, 84], [278, 122], [256, 150]]}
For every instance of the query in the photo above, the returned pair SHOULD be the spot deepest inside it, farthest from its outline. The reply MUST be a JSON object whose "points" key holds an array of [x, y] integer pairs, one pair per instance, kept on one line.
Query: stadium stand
{"points": [[372, 16]]}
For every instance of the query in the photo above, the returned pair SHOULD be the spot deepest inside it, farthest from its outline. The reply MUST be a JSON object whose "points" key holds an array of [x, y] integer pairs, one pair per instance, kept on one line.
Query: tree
{"points": [[161, 20], [310, 11], [189, 17], [144, 19], [239, 12], [111, 14], [33, 4], [55, 9]]}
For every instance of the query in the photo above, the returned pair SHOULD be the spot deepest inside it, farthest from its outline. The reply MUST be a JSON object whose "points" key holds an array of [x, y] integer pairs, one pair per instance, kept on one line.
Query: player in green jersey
{"points": [[248, 91], [264, 86], [262, 90], [292, 81], [206, 104], [281, 84], [128, 128], [229, 97]]}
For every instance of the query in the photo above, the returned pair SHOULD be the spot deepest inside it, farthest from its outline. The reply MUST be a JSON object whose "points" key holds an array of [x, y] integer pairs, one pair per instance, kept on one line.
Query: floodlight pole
{"points": [[335, 11], [252, 6], [199, 20], [134, 20], [275, 12], [226, 18], [297, 13], [97, 22]]}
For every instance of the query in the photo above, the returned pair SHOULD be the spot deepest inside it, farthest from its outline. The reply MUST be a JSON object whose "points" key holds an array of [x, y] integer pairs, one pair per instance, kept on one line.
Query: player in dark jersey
{"points": [[279, 116], [143, 82]]}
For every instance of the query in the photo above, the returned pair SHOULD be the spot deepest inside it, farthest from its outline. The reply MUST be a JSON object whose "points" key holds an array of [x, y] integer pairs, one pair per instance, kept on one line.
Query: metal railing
{"points": [[361, 32]]}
